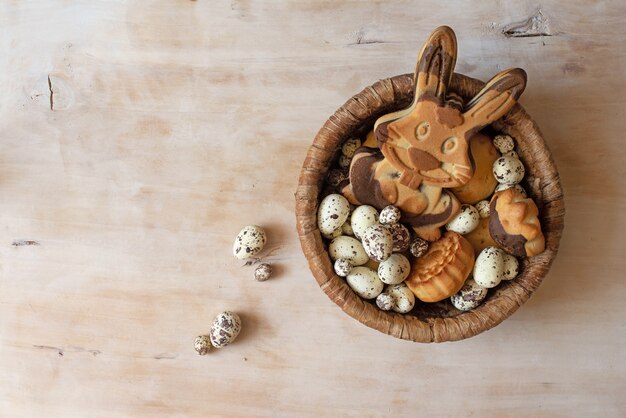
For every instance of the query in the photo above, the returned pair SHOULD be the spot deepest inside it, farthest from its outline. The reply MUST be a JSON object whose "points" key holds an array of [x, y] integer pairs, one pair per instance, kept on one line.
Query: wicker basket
{"points": [[439, 321]]}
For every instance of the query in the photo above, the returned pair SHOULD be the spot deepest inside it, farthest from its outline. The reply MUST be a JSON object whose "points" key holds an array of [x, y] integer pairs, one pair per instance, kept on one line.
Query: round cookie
{"points": [[480, 238], [482, 183]]}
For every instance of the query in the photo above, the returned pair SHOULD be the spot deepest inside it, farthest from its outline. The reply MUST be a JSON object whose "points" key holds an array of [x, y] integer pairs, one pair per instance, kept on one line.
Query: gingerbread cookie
{"points": [[441, 272], [514, 224]]}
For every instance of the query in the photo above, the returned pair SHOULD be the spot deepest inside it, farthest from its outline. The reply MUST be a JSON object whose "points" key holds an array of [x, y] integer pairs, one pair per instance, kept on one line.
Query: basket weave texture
{"points": [[440, 321]]}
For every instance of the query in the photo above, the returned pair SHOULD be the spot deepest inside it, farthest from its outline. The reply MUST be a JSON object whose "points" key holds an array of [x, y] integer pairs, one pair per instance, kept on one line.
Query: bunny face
{"points": [[430, 145], [428, 142]]}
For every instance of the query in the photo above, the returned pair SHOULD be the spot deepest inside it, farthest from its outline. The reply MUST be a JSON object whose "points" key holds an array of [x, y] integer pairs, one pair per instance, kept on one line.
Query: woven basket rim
{"points": [[543, 185]]}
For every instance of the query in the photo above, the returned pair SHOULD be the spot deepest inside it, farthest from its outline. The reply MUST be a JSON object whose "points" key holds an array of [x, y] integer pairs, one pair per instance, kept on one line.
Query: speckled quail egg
{"points": [[344, 162], [202, 345], [465, 221], [348, 248], [362, 218], [249, 242], [418, 247], [377, 242], [350, 146], [365, 282], [483, 208], [342, 267], [394, 270], [504, 143], [346, 228], [511, 267], [489, 267], [470, 296], [517, 187], [337, 232], [225, 329], [404, 298], [401, 237], [332, 213], [389, 215], [508, 170], [511, 154], [335, 176], [385, 301], [262, 272]]}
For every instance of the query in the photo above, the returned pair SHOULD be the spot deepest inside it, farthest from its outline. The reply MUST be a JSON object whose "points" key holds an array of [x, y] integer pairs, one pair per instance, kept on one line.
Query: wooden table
{"points": [[139, 137]]}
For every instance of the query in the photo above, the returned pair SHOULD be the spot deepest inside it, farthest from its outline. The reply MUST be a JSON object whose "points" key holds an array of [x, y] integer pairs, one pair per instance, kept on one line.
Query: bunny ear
{"points": [[496, 98], [435, 64]]}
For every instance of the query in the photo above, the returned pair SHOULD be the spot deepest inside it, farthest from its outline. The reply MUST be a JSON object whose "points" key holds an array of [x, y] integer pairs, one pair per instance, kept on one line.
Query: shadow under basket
{"points": [[428, 322]]}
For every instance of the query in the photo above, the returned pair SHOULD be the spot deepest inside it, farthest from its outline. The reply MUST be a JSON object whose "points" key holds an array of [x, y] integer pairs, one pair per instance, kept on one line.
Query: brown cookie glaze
{"points": [[427, 224], [373, 181], [363, 188], [514, 224], [441, 272]]}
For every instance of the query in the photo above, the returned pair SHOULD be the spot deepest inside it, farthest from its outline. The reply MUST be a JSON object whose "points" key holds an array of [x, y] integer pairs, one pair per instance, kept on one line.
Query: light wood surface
{"points": [[137, 138]]}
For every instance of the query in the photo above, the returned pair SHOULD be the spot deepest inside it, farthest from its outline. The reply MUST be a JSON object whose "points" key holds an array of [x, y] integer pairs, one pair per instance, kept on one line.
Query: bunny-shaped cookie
{"points": [[374, 181], [425, 146]]}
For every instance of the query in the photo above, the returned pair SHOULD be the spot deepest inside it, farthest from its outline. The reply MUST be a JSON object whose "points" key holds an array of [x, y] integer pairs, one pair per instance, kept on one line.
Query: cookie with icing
{"points": [[514, 224], [428, 141]]}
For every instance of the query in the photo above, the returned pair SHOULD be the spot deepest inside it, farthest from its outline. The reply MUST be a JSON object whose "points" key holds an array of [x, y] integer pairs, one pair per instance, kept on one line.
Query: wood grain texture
{"points": [[137, 138]]}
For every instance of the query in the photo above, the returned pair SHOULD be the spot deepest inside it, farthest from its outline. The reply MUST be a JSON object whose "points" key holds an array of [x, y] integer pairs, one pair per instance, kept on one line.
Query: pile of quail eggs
{"points": [[224, 330], [368, 248], [226, 326]]}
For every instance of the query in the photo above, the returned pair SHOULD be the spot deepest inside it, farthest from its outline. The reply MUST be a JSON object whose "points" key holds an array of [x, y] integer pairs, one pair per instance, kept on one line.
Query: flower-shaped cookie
{"points": [[441, 272]]}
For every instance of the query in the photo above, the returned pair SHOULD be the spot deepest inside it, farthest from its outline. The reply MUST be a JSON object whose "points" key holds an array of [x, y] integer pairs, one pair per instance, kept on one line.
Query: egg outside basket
{"points": [[440, 321]]}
